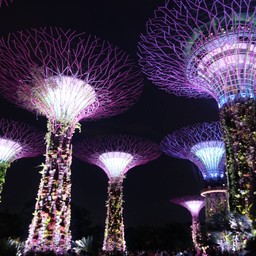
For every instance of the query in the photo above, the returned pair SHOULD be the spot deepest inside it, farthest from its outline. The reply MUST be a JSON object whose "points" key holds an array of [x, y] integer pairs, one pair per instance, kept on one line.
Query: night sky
{"points": [[148, 188]]}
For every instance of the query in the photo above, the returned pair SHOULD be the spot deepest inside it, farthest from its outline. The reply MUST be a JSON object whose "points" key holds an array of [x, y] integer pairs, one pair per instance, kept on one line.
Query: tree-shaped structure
{"points": [[194, 204], [17, 140], [116, 155], [201, 48], [66, 77], [202, 144]]}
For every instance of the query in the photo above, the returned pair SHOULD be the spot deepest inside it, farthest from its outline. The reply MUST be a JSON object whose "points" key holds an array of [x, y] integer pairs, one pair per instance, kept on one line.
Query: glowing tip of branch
{"points": [[116, 162]]}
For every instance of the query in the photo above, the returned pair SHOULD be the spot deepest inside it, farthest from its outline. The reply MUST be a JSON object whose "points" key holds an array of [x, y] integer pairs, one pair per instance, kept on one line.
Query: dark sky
{"points": [[147, 188]]}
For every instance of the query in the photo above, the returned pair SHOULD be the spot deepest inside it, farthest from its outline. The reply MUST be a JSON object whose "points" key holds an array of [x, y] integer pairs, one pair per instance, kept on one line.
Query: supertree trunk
{"points": [[196, 232], [239, 132], [49, 230], [3, 169], [114, 241]]}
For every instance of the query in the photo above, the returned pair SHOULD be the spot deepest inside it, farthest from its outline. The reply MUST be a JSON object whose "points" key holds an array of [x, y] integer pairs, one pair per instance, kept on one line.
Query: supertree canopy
{"points": [[207, 49], [194, 204], [202, 144], [66, 77], [116, 155], [17, 140]]}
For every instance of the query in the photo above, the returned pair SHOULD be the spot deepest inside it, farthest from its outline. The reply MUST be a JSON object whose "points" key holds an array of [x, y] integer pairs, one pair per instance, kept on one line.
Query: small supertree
{"points": [[17, 140], [66, 77], [116, 155], [201, 48], [202, 144], [194, 204]]}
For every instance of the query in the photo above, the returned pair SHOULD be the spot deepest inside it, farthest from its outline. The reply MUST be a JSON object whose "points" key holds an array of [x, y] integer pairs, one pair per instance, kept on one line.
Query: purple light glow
{"points": [[202, 49], [201, 144], [116, 155], [134, 151], [85, 67], [19, 140], [193, 204], [115, 162], [66, 77]]}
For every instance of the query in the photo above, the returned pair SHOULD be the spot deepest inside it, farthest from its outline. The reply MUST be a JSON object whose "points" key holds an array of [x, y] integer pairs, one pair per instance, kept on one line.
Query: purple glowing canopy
{"points": [[138, 150], [38, 65], [200, 143], [19, 140], [200, 48], [193, 203]]}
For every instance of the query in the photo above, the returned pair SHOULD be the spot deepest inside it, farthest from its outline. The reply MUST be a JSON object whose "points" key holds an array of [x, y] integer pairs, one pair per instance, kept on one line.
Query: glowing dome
{"points": [[8, 150], [64, 97], [116, 162]]}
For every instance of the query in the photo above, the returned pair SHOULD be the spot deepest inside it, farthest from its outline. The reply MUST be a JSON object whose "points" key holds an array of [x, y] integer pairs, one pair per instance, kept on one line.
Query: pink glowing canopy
{"points": [[193, 203], [67, 76], [200, 143], [200, 48], [116, 154], [19, 140]]}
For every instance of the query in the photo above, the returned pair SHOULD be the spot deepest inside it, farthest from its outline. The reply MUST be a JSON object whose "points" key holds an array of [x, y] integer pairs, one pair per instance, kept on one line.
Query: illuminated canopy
{"points": [[194, 206], [8, 150], [199, 48], [211, 155], [116, 162], [64, 97]]}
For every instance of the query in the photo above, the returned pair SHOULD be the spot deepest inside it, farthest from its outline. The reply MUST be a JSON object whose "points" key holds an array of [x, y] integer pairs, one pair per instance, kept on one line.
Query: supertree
{"points": [[202, 144], [17, 140], [194, 204], [67, 77], [116, 155], [207, 48]]}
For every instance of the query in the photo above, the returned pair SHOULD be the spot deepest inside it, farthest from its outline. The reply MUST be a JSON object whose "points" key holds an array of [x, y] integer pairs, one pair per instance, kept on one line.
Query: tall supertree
{"points": [[201, 48], [67, 77], [202, 144], [194, 204], [17, 140], [116, 155]]}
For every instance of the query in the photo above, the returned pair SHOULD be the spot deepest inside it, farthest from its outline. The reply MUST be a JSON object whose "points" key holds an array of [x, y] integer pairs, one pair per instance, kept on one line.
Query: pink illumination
{"points": [[202, 49], [19, 140], [116, 155], [8, 150], [115, 162], [194, 204], [67, 77], [64, 97]]}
